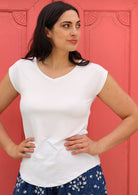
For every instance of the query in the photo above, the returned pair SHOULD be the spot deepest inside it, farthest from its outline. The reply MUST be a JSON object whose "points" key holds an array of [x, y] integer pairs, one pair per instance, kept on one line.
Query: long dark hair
{"points": [[40, 43]]}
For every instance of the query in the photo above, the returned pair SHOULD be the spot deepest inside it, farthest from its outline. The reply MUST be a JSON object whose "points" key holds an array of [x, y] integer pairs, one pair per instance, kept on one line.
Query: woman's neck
{"points": [[57, 60]]}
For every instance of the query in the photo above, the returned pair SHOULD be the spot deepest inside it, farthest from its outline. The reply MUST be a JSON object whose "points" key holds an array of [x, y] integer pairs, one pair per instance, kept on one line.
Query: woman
{"points": [[57, 87]]}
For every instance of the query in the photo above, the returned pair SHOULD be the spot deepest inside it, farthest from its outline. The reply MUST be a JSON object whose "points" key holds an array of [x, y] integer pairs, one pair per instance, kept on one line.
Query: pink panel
{"points": [[16, 4], [104, 5], [12, 47], [32, 16], [107, 43], [133, 155]]}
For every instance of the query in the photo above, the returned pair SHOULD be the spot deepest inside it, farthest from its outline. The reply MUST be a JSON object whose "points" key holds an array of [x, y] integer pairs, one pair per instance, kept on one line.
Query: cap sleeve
{"points": [[99, 77], [14, 75], [102, 76]]}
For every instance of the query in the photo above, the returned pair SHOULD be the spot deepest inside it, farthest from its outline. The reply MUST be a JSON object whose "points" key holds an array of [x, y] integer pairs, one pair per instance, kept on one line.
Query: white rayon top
{"points": [[53, 110]]}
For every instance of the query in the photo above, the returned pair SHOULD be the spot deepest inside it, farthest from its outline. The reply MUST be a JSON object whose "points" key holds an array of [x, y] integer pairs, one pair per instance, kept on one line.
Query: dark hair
{"points": [[40, 43]]}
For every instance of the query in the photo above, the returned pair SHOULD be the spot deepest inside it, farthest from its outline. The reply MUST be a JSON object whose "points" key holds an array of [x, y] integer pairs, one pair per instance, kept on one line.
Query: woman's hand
{"points": [[19, 151], [82, 144]]}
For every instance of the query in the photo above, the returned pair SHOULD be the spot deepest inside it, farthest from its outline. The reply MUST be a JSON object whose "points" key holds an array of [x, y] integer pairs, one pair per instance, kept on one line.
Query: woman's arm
{"points": [[121, 103], [7, 95]]}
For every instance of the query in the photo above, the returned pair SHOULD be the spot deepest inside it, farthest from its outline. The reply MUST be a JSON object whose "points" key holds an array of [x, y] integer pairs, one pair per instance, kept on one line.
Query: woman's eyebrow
{"points": [[69, 22]]}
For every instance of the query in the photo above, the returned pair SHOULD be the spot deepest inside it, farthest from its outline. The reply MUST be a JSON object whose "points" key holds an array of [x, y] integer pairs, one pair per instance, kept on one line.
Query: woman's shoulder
{"points": [[23, 63], [94, 67]]}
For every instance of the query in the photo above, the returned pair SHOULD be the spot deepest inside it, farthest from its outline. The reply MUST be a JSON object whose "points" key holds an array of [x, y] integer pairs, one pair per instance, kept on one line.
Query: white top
{"points": [[53, 110]]}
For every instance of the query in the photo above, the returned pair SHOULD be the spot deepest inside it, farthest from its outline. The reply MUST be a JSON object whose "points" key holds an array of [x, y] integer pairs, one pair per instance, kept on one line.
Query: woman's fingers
{"points": [[28, 150], [81, 144], [26, 143], [74, 140], [76, 137], [23, 149], [26, 147], [29, 145], [29, 139], [77, 146], [24, 155], [70, 143], [84, 150]]}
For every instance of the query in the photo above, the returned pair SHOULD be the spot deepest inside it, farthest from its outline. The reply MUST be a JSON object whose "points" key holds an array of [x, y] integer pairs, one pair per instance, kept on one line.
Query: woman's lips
{"points": [[73, 41]]}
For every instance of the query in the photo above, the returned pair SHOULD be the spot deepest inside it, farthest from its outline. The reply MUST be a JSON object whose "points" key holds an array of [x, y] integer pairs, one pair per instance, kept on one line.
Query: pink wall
{"points": [[109, 37]]}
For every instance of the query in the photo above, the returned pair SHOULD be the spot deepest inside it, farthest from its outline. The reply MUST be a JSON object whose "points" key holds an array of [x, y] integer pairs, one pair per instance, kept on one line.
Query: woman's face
{"points": [[65, 34]]}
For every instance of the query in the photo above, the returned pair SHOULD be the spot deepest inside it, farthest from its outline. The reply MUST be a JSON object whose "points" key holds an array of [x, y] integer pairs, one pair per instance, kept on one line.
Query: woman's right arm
{"points": [[7, 95]]}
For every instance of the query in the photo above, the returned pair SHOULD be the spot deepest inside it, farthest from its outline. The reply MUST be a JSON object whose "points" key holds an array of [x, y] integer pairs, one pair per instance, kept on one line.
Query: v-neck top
{"points": [[50, 78], [53, 110]]}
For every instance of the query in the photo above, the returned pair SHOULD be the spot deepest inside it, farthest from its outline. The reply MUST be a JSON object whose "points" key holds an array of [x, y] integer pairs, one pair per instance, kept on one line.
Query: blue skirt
{"points": [[91, 182]]}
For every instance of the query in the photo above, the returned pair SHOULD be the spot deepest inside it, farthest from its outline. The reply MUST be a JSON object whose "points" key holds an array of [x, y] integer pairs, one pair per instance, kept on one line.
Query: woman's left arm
{"points": [[122, 104]]}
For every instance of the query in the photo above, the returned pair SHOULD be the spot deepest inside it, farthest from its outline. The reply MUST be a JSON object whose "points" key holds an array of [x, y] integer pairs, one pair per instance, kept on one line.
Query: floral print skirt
{"points": [[91, 182]]}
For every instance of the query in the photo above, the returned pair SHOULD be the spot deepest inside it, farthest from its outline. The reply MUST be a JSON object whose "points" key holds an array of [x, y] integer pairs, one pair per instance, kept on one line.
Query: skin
{"points": [[57, 64], [66, 28]]}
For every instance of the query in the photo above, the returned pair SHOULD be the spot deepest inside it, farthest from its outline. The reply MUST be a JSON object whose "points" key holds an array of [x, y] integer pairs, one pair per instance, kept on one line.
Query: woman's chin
{"points": [[73, 49]]}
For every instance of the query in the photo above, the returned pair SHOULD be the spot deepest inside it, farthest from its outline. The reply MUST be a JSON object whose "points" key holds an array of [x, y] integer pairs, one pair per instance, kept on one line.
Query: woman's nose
{"points": [[74, 31]]}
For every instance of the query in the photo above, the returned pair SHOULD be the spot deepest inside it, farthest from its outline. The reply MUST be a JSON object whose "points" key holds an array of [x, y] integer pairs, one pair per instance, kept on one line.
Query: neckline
{"points": [[57, 78]]}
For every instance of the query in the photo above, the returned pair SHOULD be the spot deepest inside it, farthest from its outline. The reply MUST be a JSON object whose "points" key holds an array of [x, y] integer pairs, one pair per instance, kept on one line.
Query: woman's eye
{"points": [[78, 25], [66, 25]]}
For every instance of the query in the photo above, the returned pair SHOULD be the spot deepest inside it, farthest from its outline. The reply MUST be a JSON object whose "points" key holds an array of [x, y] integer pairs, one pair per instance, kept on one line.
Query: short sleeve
{"points": [[14, 76], [100, 77]]}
